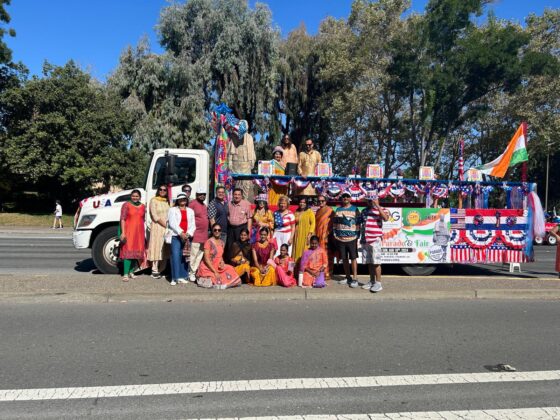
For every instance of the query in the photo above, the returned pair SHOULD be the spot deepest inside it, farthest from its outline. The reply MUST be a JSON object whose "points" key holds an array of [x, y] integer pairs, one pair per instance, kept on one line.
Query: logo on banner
{"points": [[413, 218]]}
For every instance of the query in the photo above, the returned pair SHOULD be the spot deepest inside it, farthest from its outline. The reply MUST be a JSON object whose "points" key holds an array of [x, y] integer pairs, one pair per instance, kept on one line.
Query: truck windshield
{"points": [[185, 171]]}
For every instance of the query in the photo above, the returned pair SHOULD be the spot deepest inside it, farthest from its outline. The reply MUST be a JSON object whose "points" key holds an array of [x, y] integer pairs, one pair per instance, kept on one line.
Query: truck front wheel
{"points": [[418, 269], [104, 250]]}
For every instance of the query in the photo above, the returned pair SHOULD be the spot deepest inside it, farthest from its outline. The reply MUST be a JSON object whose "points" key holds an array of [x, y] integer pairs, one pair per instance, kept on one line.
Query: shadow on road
{"points": [[86, 266]]}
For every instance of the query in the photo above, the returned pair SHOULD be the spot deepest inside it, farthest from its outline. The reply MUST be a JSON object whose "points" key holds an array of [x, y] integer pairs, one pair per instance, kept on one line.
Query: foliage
{"points": [[65, 133], [215, 50]]}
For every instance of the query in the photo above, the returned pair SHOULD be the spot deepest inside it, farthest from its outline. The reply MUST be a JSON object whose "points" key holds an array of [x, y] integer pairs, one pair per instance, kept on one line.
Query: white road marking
{"points": [[272, 385], [514, 413]]}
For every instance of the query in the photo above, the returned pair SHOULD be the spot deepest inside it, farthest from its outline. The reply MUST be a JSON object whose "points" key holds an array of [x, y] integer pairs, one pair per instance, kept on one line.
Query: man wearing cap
{"points": [[201, 233], [239, 216], [346, 230], [373, 217]]}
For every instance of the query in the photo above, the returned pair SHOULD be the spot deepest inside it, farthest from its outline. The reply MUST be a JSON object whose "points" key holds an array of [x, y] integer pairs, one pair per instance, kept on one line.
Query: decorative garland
{"points": [[396, 190]]}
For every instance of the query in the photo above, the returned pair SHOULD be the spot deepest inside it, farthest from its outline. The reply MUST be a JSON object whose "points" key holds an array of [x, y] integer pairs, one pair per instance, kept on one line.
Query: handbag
{"points": [[168, 235]]}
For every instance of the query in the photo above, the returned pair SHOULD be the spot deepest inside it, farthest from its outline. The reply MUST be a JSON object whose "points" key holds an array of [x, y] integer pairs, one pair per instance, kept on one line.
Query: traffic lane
{"points": [[297, 402], [114, 344], [20, 254], [24, 254]]}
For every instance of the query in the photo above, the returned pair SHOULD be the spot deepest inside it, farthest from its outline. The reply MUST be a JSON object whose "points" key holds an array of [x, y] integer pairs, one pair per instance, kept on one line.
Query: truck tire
{"points": [[539, 240], [418, 269], [104, 250]]}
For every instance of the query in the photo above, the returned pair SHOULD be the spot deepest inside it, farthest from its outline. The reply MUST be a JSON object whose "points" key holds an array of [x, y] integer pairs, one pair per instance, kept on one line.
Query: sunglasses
{"points": [[322, 201], [163, 189], [308, 144], [216, 230]]}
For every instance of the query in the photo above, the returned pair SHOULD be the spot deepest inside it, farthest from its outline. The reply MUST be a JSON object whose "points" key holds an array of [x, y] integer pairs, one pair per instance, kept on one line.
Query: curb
{"points": [[299, 295]]}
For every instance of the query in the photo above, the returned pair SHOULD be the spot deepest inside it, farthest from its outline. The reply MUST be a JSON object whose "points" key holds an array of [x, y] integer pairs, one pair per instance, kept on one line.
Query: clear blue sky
{"points": [[94, 33]]}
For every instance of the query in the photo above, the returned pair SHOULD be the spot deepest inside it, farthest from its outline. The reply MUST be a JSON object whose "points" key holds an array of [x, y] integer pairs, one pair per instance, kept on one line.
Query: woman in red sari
{"points": [[213, 271], [133, 234]]}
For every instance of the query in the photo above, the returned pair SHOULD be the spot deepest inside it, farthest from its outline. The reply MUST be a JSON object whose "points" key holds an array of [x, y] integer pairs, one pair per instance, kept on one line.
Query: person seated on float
{"points": [[277, 190]]}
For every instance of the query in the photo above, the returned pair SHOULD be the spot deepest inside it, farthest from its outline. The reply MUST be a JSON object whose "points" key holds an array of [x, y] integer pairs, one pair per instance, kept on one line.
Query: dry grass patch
{"points": [[32, 220]]}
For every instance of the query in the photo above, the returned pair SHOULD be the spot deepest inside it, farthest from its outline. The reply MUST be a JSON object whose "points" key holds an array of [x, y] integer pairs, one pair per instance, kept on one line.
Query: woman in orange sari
{"points": [[323, 229], [314, 264], [133, 234], [213, 271], [277, 169]]}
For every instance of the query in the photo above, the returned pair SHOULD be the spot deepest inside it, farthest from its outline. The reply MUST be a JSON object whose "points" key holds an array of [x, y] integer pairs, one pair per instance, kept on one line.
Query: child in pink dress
{"points": [[285, 268]]}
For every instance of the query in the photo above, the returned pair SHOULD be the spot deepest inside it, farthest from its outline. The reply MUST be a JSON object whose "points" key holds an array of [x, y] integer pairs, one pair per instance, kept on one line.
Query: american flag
{"points": [[457, 218], [461, 160]]}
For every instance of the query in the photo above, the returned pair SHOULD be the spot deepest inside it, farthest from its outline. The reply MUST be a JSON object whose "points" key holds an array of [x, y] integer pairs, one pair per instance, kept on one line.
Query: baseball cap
{"points": [[346, 193], [181, 196], [201, 190]]}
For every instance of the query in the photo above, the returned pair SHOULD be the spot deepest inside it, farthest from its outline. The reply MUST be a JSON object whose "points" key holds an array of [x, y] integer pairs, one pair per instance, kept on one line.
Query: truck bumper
{"points": [[81, 238]]}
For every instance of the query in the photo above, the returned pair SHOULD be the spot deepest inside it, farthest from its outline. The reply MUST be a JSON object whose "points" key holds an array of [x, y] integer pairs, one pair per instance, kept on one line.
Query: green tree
{"points": [[65, 132], [215, 50], [300, 89], [447, 64], [362, 108]]}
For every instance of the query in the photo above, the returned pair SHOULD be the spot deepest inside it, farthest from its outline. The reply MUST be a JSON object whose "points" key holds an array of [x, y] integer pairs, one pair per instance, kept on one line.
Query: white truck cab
{"points": [[97, 219]]}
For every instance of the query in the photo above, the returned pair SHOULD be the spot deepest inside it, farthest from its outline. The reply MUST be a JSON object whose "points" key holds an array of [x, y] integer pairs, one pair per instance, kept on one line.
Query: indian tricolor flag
{"points": [[516, 152]]}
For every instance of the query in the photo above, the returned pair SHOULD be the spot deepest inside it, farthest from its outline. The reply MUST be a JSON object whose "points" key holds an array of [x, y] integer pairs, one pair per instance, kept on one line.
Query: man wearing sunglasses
{"points": [[201, 232], [346, 229], [187, 190], [307, 162]]}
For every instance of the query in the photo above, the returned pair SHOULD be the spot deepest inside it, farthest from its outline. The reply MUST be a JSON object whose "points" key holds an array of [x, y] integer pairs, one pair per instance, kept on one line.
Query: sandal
{"points": [[125, 278], [132, 276]]}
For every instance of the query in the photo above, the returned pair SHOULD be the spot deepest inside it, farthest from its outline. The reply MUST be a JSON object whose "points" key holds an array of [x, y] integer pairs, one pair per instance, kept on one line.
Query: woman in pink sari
{"points": [[212, 271], [314, 262], [285, 268]]}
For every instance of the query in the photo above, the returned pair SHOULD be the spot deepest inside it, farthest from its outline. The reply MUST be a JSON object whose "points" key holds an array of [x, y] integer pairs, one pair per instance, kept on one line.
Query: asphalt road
{"points": [[46, 254], [64, 345]]}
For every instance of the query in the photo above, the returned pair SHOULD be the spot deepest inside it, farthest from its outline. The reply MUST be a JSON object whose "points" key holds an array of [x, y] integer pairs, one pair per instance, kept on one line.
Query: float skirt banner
{"points": [[488, 235], [467, 236], [416, 236]]}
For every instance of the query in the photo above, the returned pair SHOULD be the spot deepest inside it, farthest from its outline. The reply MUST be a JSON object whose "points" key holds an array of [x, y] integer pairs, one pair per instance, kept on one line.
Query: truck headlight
{"points": [[86, 220]]}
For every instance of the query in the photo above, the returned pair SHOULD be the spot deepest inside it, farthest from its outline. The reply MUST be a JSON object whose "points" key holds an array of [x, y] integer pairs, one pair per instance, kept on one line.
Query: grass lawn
{"points": [[33, 220]]}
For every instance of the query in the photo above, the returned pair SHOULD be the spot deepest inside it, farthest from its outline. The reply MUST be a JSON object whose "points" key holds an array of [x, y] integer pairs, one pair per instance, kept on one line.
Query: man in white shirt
{"points": [[57, 216]]}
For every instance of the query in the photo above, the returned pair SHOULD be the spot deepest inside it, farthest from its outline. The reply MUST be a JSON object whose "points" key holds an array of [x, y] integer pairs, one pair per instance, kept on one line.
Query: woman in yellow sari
{"points": [[305, 228], [277, 190], [241, 255]]}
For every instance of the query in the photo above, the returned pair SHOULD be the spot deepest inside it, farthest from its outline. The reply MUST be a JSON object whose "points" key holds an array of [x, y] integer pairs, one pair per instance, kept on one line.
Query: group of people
{"points": [[224, 244]]}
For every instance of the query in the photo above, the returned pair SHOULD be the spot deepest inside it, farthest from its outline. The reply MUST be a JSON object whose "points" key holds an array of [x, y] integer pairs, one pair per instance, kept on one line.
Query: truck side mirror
{"points": [[170, 168]]}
